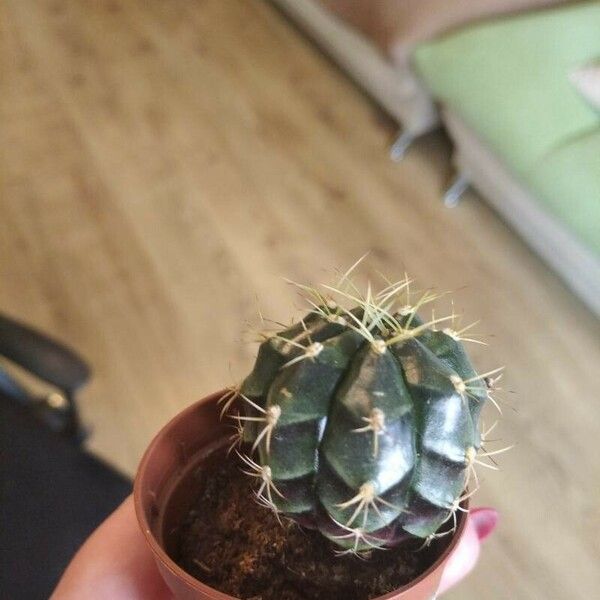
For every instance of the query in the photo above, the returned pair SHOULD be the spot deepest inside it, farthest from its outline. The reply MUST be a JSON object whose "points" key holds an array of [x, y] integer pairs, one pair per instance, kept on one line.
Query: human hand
{"points": [[481, 523], [115, 562]]}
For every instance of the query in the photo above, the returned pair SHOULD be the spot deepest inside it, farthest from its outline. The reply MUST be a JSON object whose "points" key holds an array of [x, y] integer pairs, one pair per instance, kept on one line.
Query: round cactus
{"points": [[363, 422]]}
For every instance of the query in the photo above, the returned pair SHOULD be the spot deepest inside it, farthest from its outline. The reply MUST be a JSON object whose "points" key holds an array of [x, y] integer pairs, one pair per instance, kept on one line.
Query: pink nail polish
{"points": [[485, 521]]}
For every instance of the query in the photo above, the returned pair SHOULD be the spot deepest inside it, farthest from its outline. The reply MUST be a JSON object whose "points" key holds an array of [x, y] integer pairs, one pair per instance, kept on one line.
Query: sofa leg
{"points": [[457, 188], [401, 145]]}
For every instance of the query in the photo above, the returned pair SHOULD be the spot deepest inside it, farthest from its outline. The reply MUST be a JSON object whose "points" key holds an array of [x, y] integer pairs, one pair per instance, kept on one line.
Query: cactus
{"points": [[363, 422]]}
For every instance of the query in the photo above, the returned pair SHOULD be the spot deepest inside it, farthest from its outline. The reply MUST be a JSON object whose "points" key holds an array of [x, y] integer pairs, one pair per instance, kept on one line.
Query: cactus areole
{"points": [[362, 422]]}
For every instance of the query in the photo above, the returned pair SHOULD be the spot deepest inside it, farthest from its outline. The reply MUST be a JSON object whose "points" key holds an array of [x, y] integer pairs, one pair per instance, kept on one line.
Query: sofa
{"points": [[500, 76]]}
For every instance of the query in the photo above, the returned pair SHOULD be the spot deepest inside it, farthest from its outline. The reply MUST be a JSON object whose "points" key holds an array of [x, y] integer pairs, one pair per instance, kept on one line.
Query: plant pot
{"points": [[165, 489]]}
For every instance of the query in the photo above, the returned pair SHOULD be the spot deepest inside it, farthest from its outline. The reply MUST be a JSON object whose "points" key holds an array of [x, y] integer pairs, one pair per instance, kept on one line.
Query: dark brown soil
{"points": [[234, 545]]}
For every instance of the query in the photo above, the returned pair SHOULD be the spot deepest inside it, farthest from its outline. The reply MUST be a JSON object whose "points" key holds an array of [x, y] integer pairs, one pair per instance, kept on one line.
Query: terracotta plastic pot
{"points": [[166, 487]]}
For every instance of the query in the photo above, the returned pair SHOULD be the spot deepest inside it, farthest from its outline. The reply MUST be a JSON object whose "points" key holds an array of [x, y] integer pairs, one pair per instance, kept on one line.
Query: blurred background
{"points": [[167, 163]]}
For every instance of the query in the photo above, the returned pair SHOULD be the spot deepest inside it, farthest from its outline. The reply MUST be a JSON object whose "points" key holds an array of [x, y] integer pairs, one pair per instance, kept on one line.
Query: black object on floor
{"points": [[53, 494], [51, 362]]}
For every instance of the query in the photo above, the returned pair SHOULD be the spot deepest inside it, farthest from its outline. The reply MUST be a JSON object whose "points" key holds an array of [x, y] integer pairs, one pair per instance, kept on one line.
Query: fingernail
{"points": [[485, 521]]}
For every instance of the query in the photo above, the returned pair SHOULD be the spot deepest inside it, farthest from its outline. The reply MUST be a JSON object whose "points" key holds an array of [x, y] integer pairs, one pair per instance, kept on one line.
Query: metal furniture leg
{"points": [[457, 188], [401, 145]]}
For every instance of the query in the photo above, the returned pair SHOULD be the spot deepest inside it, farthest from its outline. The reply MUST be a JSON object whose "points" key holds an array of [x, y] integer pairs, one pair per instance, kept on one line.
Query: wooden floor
{"points": [[166, 162]]}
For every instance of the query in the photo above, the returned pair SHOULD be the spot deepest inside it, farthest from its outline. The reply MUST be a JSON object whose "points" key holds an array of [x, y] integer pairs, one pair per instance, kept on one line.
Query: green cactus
{"points": [[363, 423]]}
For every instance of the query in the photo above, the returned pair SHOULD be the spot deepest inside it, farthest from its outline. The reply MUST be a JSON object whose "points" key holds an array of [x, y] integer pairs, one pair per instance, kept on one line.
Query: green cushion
{"points": [[567, 180], [509, 80]]}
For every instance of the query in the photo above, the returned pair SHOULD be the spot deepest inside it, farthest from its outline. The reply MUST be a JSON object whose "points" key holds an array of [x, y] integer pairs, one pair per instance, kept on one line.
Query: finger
{"points": [[115, 563], [480, 524]]}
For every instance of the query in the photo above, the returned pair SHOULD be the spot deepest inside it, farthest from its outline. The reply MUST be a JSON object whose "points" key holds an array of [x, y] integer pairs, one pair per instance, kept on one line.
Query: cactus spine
{"points": [[363, 422]]}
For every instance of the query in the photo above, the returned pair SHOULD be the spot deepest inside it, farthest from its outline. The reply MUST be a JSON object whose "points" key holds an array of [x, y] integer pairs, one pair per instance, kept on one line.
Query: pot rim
{"points": [[177, 571], [155, 547]]}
